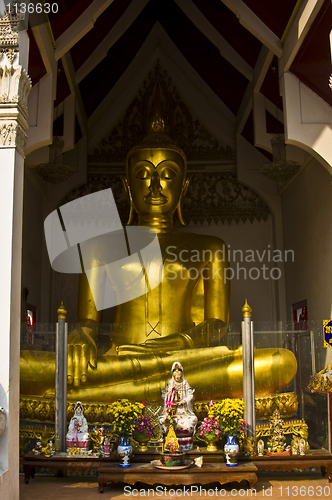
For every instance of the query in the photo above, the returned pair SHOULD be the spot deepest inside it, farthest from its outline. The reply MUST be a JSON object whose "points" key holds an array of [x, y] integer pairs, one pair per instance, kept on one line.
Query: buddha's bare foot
{"points": [[50, 393]]}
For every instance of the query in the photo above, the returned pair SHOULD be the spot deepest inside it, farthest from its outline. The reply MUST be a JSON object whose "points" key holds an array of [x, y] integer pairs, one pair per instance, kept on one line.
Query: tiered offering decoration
{"points": [[171, 442], [172, 457], [276, 445]]}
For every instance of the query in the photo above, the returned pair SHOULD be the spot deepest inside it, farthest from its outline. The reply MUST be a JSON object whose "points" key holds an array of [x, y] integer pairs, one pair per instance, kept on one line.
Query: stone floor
{"points": [[281, 485]]}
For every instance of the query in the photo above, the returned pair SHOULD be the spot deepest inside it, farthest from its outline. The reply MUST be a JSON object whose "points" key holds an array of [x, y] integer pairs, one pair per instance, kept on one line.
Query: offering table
{"points": [[58, 462], [149, 474], [312, 458], [213, 466]]}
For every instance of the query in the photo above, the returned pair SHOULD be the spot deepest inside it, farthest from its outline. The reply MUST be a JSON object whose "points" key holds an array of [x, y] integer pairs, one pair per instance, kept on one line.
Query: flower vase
{"points": [[211, 440], [125, 452], [231, 450], [142, 439]]}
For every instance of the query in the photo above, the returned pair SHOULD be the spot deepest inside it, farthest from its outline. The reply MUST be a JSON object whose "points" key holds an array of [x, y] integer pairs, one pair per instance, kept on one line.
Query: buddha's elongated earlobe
{"points": [[128, 192], [183, 194]]}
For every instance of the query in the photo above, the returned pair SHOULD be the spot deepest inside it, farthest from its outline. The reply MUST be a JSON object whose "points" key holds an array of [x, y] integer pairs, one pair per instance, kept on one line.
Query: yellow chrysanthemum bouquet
{"points": [[229, 413], [125, 414]]}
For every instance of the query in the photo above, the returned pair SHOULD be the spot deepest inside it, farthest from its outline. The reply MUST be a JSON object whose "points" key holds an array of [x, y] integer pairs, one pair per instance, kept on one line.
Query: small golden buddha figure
{"points": [[184, 317]]}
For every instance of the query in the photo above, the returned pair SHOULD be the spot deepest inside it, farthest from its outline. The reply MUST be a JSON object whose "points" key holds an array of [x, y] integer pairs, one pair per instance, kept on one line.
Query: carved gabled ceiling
{"points": [[221, 42], [187, 131]]}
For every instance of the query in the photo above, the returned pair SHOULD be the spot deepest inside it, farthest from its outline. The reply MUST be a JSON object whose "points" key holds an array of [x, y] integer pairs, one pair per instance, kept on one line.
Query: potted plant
{"points": [[210, 432], [230, 415], [143, 431], [124, 416]]}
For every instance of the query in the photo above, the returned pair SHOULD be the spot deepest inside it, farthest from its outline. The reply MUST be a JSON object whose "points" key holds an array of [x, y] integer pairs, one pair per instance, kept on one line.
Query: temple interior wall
{"points": [[307, 208], [33, 241], [260, 292]]}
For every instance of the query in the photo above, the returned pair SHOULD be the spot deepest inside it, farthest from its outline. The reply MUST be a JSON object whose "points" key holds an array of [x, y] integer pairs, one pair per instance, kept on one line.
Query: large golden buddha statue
{"points": [[184, 317]]}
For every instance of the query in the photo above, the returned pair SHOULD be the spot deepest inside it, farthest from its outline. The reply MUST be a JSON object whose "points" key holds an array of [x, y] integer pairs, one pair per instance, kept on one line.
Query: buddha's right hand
{"points": [[82, 352]]}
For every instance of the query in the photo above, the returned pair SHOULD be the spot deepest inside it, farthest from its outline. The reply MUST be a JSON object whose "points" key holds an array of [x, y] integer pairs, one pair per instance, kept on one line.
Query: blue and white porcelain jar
{"points": [[231, 450], [125, 452]]}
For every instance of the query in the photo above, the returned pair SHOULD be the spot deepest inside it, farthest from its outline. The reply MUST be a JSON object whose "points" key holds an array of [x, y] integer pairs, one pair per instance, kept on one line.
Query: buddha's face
{"points": [[156, 177]]}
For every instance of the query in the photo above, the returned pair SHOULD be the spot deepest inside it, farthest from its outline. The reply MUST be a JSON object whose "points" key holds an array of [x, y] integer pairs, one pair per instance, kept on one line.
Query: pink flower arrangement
{"points": [[244, 428], [210, 428], [144, 424]]}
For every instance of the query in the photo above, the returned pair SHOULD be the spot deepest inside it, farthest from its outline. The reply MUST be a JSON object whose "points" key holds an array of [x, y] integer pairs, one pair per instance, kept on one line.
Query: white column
{"points": [[14, 89], [248, 369]]}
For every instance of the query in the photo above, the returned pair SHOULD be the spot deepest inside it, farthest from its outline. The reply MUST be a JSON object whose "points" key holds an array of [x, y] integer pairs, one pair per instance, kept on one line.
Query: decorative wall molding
{"points": [[185, 129], [9, 26], [7, 133], [214, 198], [55, 171], [15, 86], [220, 198]]}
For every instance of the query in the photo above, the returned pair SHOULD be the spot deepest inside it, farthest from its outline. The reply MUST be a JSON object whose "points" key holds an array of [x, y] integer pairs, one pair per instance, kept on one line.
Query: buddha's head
{"points": [[156, 178]]}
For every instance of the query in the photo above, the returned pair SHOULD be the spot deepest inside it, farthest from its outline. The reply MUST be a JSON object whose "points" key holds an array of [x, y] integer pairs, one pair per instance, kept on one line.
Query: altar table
{"points": [[149, 474], [58, 462], [311, 458], [213, 466]]}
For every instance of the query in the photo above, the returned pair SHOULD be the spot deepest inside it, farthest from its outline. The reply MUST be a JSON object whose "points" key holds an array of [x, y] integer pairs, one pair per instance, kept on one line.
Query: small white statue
{"points": [[38, 448], [198, 461], [178, 404], [52, 448], [295, 445], [260, 448], [302, 446], [78, 435]]}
